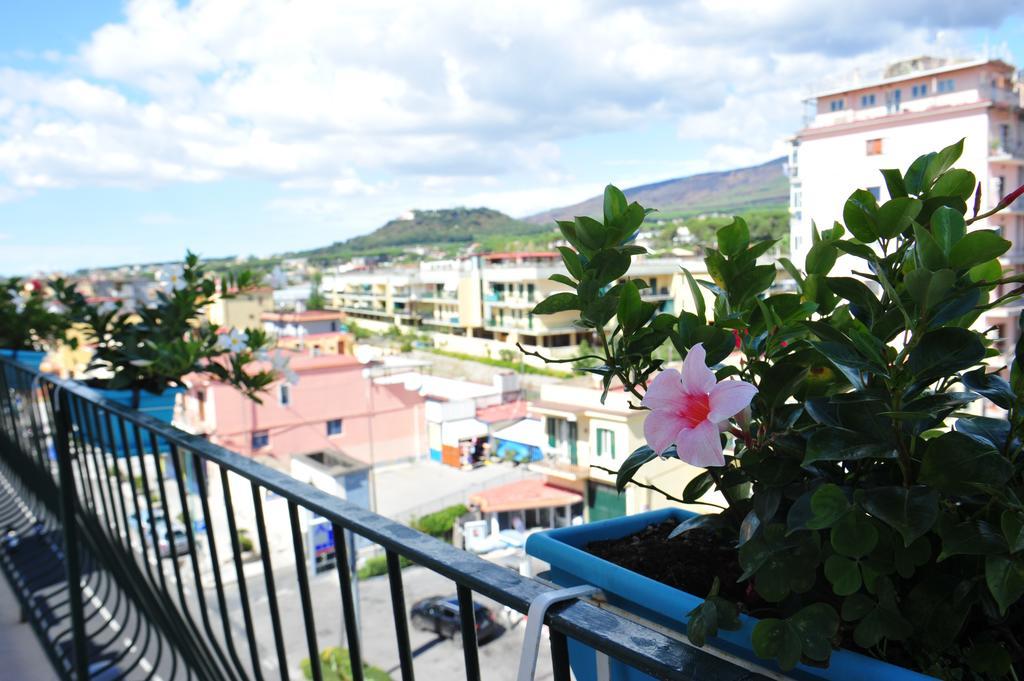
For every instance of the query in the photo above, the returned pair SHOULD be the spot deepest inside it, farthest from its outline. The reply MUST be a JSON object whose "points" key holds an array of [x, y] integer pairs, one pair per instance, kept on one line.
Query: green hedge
{"points": [[378, 565], [515, 366], [335, 666], [440, 523]]}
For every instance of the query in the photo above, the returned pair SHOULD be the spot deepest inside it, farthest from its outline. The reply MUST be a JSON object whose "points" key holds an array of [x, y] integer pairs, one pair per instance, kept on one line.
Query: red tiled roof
{"points": [[524, 494], [515, 255], [502, 412]]}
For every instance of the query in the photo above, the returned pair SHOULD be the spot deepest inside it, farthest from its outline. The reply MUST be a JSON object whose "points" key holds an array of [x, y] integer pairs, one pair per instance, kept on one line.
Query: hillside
{"points": [[729, 191], [448, 226]]}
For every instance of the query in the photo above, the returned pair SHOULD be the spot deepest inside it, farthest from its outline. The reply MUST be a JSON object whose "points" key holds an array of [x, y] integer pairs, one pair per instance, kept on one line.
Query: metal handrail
{"points": [[90, 431]]}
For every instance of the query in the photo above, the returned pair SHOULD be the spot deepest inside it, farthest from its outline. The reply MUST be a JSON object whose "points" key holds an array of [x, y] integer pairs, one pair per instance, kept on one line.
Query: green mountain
{"points": [[440, 228], [729, 191]]}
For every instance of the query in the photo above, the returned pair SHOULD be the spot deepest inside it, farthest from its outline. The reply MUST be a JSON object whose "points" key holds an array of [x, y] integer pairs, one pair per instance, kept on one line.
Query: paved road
{"points": [[435, 659]]}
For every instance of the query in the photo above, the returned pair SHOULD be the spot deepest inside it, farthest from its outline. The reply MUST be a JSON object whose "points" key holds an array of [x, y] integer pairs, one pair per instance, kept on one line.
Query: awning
{"points": [[522, 495], [452, 432], [528, 432]]}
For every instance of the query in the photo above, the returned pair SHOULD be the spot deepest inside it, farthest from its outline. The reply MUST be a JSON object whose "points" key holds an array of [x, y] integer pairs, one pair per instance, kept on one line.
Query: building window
{"points": [[837, 104], [334, 427], [284, 394], [260, 439], [552, 426], [874, 147], [947, 85], [867, 100], [919, 90], [876, 192], [605, 442]]}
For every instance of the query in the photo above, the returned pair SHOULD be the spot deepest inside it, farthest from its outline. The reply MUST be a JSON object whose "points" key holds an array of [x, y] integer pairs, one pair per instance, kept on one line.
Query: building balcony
{"points": [[1006, 152], [109, 600]]}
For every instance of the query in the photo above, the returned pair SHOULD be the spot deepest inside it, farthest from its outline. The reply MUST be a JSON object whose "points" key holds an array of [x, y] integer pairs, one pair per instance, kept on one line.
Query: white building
{"points": [[911, 108]]}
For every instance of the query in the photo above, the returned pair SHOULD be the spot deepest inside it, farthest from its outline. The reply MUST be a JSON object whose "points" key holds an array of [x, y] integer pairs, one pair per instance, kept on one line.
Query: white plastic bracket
{"points": [[535, 625]]}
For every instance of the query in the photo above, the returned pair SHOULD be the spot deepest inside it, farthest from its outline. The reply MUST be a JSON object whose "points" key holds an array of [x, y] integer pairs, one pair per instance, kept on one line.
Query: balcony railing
{"points": [[78, 476]]}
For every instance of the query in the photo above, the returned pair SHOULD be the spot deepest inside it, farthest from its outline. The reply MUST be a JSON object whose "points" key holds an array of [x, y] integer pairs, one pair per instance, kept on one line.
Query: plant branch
{"points": [[657, 489]]}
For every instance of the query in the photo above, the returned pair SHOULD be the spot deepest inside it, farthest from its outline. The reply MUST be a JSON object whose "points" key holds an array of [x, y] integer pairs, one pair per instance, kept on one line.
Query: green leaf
{"points": [[969, 538], [608, 265], [943, 352], [632, 464], [698, 487], [989, 658], [914, 177], [562, 279], [854, 535], [698, 296], [559, 302], [713, 614], [843, 574], [828, 504], [941, 162], [591, 232], [956, 463], [572, 261], [910, 511], [948, 227], [993, 386], [734, 238], [821, 258], [857, 293], [860, 214], [1005, 579], [839, 444], [630, 311], [977, 247], [896, 215], [806, 634], [957, 182], [928, 249], [845, 358], [1012, 523], [894, 182], [614, 204]]}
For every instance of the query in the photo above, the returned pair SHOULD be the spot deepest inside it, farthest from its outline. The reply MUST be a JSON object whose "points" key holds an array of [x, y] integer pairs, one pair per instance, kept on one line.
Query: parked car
{"points": [[165, 534], [440, 615]]}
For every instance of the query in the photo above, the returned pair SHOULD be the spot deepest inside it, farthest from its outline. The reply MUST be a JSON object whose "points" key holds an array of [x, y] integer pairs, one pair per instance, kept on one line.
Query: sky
{"points": [[130, 131]]}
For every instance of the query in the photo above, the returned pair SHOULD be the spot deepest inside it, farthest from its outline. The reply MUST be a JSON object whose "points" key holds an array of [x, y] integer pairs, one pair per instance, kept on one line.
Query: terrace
{"points": [[79, 475]]}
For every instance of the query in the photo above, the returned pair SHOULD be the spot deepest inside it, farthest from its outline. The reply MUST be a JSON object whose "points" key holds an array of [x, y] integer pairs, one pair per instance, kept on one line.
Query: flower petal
{"points": [[665, 391], [729, 398], [700, 446], [697, 377], [661, 428]]}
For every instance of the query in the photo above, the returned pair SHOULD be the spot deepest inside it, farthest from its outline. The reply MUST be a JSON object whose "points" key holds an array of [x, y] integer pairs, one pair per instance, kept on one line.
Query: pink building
{"points": [[334, 406]]}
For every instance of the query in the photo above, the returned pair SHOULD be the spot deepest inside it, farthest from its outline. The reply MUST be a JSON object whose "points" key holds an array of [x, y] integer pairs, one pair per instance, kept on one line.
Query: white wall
{"points": [[832, 166]]}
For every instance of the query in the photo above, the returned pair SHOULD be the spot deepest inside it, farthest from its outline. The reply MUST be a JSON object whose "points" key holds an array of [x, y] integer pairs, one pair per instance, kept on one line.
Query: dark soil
{"points": [[689, 562]]}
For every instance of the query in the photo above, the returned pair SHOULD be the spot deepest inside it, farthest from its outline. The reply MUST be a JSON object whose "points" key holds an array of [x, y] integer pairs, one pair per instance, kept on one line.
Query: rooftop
{"points": [[524, 494], [299, 317], [907, 70]]}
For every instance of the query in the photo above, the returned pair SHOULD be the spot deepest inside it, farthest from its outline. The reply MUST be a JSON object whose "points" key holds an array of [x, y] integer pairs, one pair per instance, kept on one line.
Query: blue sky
{"points": [[132, 131]]}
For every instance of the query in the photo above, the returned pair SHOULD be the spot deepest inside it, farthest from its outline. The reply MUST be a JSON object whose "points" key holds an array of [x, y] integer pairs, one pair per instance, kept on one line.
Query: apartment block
{"points": [[889, 119], [482, 304]]}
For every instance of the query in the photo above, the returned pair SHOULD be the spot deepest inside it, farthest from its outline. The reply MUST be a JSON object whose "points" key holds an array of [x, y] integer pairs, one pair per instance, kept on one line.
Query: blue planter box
{"points": [[160, 407], [668, 606], [30, 358]]}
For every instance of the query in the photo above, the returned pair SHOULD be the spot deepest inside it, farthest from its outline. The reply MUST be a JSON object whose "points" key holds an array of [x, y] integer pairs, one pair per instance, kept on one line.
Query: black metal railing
{"points": [[93, 492]]}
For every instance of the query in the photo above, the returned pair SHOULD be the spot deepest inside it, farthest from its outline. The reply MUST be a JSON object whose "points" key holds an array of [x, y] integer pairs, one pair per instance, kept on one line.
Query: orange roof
{"points": [[524, 494], [502, 412], [304, 316], [512, 255], [315, 336]]}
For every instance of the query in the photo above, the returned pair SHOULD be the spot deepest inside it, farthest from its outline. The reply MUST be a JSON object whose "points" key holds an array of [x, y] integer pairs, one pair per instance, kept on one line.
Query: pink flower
{"points": [[688, 409]]}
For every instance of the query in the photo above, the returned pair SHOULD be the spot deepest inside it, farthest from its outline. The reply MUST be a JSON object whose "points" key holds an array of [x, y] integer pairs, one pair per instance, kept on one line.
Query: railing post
{"points": [[68, 504]]}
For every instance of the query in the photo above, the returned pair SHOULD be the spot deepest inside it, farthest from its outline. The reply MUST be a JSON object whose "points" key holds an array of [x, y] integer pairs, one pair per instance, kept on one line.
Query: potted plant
{"points": [[29, 321], [874, 526], [142, 354]]}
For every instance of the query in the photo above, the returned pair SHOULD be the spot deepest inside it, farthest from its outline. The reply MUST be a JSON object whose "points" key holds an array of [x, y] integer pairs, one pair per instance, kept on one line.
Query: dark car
{"points": [[440, 615]]}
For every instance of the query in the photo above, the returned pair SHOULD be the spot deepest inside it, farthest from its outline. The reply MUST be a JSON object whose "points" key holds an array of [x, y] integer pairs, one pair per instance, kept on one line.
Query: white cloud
{"points": [[319, 97]]}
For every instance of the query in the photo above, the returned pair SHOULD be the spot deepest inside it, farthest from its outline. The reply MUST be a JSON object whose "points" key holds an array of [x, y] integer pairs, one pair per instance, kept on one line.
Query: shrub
{"points": [[245, 541], [440, 523], [865, 506], [336, 666], [378, 565]]}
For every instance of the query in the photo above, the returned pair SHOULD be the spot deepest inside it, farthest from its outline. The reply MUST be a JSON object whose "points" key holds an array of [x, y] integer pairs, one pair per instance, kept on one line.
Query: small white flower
{"points": [[106, 307], [279, 361], [18, 300], [141, 362], [233, 341], [173, 277], [262, 355], [56, 307]]}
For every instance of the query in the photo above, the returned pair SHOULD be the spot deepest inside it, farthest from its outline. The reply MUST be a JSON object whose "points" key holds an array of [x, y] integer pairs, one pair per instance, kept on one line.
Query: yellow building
{"points": [[241, 310]]}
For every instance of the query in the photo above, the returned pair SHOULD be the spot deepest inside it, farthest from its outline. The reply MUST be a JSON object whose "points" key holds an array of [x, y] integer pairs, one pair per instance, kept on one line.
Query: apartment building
{"points": [[886, 121], [241, 310], [482, 305]]}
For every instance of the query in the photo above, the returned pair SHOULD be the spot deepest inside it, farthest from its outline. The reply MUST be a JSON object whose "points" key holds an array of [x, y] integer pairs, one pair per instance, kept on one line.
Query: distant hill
{"points": [[729, 191], [435, 228]]}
